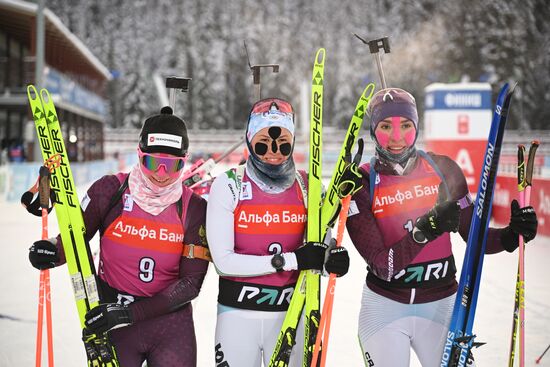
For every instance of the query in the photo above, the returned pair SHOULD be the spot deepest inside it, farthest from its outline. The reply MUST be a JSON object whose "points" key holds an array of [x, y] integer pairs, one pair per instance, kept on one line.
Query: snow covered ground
{"points": [[19, 288]]}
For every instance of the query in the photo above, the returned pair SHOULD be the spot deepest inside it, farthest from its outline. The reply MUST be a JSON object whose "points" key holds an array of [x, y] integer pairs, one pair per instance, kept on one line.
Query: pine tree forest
{"points": [[431, 41]]}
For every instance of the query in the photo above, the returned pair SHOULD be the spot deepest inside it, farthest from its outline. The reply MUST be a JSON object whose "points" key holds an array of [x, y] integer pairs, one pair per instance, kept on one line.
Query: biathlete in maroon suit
{"points": [[400, 222], [147, 219], [255, 225]]}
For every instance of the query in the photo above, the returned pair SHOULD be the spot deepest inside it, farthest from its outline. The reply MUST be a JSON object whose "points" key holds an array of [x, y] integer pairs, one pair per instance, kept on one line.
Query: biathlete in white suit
{"points": [[256, 219]]}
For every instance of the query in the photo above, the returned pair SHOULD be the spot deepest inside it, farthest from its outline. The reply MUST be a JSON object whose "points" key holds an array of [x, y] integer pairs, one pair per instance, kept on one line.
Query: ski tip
{"points": [[513, 88], [45, 95], [320, 56], [535, 143], [368, 92], [32, 92]]}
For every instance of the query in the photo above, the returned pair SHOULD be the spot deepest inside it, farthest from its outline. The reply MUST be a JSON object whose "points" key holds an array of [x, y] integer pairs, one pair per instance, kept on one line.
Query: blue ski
{"points": [[459, 337]]}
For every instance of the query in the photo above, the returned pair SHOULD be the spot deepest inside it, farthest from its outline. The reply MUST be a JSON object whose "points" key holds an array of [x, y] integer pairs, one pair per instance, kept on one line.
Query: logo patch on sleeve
{"points": [[85, 201], [246, 191], [353, 209]]}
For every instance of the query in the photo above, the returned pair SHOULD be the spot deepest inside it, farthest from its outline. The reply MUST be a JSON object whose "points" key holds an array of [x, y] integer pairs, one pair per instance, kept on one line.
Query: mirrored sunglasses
{"points": [[152, 162]]}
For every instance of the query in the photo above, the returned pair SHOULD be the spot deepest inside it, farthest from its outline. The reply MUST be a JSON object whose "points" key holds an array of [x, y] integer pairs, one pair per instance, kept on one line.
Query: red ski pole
{"points": [[326, 315], [44, 287]]}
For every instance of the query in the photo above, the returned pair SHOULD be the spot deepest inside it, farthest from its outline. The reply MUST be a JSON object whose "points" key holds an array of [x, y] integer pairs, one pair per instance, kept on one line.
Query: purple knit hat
{"points": [[392, 102]]}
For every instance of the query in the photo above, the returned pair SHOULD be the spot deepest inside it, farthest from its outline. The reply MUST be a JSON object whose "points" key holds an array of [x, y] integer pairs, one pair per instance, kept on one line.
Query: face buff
{"points": [[151, 198], [274, 114], [278, 177]]}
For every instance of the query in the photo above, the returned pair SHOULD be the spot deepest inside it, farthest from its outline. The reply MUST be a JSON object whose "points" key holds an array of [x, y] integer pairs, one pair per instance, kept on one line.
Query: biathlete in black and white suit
{"points": [[256, 218]]}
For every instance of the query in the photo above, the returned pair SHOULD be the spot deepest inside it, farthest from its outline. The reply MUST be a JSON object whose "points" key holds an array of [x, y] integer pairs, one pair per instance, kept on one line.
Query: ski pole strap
{"points": [[430, 160], [42, 187], [193, 251], [466, 201], [32, 202]]}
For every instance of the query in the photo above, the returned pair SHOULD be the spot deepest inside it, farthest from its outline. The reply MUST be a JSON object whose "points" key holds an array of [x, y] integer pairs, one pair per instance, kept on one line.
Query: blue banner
{"points": [[458, 100], [71, 92]]}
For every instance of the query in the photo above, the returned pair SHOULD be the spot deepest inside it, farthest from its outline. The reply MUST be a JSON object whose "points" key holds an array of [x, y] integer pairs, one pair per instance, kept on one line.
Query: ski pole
{"points": [[524, 189], [374, 47], [196, 176], [39, 207], [44, 287], [537, 361], [326, 315], [519, 285], [527, 201]]}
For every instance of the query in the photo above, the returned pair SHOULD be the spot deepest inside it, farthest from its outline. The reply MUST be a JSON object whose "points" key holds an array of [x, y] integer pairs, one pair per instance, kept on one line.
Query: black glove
{"points": [[43, 254], [337, 261], [108, 316], [441, 218], [523, 221], [311, 256], [351, 179]]}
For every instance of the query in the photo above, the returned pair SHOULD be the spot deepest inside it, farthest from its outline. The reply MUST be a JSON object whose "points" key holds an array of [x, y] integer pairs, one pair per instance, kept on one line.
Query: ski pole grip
{"points": [[521, 167], [44, 187], [531, 162]]}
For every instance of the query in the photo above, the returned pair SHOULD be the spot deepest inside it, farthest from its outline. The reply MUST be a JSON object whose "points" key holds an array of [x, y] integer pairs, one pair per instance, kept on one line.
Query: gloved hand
{"points": [[351, 179], [441, 218], [108, 316], [311, 256], [337, 261], [523, 221], [43, 254]]}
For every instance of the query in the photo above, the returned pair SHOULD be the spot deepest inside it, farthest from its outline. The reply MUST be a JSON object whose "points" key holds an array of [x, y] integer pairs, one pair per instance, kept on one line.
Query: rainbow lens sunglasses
{"points": [[152, 163]]}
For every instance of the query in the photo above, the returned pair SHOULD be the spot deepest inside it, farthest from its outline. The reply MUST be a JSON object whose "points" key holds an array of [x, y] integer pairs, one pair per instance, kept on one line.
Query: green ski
{"points": [[71, 223], [329, 213], [308, 282], [312, 313], [331, 203]]}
